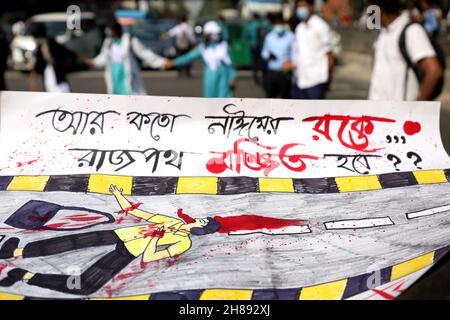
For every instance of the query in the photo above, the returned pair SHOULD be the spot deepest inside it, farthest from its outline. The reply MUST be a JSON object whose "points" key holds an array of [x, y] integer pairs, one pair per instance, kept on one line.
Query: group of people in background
{"points": [[291, 59]]}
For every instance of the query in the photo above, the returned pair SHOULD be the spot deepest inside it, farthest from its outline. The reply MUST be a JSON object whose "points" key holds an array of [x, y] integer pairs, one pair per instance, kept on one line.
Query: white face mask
{"points": [[279, 29], [302, 13]]}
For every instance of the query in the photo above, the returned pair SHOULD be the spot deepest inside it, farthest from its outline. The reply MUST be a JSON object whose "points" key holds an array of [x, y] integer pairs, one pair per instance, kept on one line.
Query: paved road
{"points": [[259, 261]]}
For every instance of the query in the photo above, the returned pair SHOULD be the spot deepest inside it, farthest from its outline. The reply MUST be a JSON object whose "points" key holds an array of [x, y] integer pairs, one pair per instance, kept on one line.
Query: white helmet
{"points": [[212, 28]]}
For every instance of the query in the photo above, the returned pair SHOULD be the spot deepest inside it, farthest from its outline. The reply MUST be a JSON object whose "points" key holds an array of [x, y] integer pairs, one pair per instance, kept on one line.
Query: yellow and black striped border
{"points": [[336, 290], [144, 186], [147, 186]]}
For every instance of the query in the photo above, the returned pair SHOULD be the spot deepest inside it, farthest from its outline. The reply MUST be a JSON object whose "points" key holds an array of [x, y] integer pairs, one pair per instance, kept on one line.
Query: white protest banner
{"points": [[190, 198], [167, 136]]}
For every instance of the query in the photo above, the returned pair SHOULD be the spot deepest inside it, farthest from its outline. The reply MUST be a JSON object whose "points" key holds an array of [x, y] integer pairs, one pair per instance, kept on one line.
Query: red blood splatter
{"points": [[124, 276], [411, 128], [133, 207], [120, 220], [3, 266], [152, 231], [174, 260], [55, 225], [20, 164], [110, 289], [81, 219], [253, 222]]}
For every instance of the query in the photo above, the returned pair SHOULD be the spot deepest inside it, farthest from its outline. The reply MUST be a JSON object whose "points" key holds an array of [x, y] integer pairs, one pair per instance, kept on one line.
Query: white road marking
{"points": [[358, 223], [427, 212], [292, 230]]}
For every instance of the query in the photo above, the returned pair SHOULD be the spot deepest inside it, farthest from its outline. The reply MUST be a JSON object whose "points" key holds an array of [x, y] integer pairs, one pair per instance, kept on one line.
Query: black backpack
{"points": [[418, 71]]}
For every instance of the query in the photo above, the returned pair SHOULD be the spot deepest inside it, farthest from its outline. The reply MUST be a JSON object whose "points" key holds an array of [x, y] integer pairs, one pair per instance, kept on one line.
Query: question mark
{"points": [[418, 158], [392, 157]]}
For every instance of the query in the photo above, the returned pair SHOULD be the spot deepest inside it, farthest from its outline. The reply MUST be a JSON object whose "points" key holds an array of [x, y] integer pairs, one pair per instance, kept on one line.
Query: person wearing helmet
{"points": [[219, 77]]}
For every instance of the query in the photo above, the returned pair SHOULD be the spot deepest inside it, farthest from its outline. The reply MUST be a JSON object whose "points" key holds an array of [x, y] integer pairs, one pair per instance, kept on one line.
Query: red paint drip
{"points": [[133, 207], [253, 222]]}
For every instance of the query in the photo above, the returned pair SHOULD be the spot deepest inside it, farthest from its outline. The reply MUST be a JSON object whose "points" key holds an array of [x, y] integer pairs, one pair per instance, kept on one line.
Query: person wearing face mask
{"points": [[118, 57], [219, 76], [276, 50], [312, 59]]}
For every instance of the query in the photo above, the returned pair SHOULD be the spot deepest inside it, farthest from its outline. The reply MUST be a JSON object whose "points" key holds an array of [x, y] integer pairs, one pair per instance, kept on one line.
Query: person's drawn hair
{"points": [[212, 227]]}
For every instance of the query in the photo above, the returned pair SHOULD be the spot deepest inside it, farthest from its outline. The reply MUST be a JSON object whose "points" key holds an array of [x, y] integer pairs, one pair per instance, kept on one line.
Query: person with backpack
{"points": [[184, 36], [312, 58], [219, 76], [118, 57], [406, 63], [53, 62]]}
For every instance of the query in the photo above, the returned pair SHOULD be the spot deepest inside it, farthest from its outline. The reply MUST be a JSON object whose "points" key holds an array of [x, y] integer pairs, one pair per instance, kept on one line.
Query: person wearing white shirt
{"points": [[312, 58], [118, 57], [391, 77], [185, 40]]}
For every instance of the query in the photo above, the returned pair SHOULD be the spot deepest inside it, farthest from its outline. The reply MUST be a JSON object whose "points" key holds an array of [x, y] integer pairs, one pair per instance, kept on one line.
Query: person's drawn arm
{"points": [[151, 254], [149, 58], [127, 206]]}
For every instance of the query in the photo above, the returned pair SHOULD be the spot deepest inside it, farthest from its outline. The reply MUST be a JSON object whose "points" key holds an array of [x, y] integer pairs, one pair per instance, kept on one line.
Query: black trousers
{"points": [[278, 84], [187, 69], [91, 279], [257, 65], [2, 80]]}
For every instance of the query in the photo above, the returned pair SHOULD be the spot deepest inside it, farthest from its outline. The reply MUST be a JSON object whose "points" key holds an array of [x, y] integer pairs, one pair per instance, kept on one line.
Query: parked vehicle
{"points": [[87, 40]]}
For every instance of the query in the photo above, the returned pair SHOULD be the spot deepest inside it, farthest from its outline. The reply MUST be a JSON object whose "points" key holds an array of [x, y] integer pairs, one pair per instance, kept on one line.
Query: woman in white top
{"points": [[117, 56]]}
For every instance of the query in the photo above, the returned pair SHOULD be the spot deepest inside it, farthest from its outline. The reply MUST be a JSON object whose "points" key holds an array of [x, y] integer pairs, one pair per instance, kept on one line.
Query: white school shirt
{"points": [[181, 29], [389, 70], [313, 43]]}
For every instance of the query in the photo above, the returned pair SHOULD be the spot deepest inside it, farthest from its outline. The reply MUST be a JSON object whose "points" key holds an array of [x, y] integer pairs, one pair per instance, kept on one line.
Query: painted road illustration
{"points": [[345, 235]]}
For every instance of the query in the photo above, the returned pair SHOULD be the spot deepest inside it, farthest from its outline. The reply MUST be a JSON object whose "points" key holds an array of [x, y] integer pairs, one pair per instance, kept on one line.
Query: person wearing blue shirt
{"points": [[430, 18], [276, 51]]}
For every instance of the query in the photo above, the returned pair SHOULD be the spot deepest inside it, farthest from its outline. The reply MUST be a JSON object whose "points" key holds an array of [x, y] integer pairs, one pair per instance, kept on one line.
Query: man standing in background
{"points": [[276, 50], [184, 36], [312, 56], [392, 79]]}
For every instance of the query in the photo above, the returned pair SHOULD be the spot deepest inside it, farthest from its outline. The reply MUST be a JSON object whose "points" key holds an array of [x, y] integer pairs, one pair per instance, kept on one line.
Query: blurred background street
{"points": [[153, 23]]}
